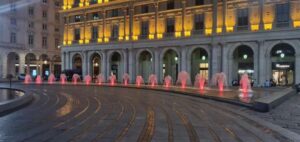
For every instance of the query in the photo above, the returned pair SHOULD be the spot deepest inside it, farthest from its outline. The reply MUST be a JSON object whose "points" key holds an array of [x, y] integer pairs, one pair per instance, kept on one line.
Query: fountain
{"points": [[75, 78], [199, 81], [51, 78], [152, 80], [139, 80], [38, 79], [126, 79], [100, 79], [27, 79], [183, 79], [63, 78], [87, 79], [168, 81], [112, 78], [245, 83], [219, 79]]}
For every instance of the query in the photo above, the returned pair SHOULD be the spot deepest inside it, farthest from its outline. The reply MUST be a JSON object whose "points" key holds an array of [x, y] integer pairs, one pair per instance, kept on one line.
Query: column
{"points": [[131, 12], [103, 25], [156, 18], [215, 16], [131, 65], [297, 69], [104, 68], [88, 64], [84, 63], [63, 60], [224, 15], [4, 66], [183, 14], [67, 61], [261, 5], [125, 11], [262, 71], [157, 65], [183, 64], [22, 63], [215, 59]]}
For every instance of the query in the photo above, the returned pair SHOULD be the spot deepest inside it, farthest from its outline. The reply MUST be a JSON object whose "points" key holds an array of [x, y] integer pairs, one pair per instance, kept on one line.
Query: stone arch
{"points": [[200, 64], [95, 63], [145, 65], [77, 63], [172, 65], [13, 63], [116, 66]]}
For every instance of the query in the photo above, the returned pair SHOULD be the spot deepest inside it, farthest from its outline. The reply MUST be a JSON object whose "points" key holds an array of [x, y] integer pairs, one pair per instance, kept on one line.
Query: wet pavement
{"points": [[7, 95], [100, 114]]}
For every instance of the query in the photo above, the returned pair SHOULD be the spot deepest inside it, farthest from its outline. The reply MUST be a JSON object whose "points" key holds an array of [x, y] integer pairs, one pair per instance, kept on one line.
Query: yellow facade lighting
{"points": [[254, 27], [229, 29], [160, 36], [268, 26], [177, 34], [187, 33], [100, 40], [208, 31], [296, 24], [106, 39], [151, 36]]}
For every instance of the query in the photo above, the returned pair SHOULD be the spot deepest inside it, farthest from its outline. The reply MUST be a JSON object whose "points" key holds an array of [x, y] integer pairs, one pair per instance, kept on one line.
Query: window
{"points": [[77, 18], [199, 2], [45, 27], [144, 9], [77, 34], [30, 11], [30, 39], [44, 42], [13, 37], [170, 4], [56, 29], [94, 33], [13, 21], [170, 25], [115, 32], [114, 13], [57, 17], [31, 25], [56, 42], [56, 3], [282, 14], [45, 1], [45, 14], [243, 19], [76, 3], [145, 29], [95, 16], [13, 7], [93, 1], [199, 22]]}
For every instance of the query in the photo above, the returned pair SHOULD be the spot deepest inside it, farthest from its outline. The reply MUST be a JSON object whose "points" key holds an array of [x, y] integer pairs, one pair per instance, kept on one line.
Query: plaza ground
{"points": [[93, 113]]}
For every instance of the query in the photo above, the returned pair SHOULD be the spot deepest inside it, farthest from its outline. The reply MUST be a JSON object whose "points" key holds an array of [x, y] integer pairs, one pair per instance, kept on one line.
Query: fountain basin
{"points": [[13, 99]]}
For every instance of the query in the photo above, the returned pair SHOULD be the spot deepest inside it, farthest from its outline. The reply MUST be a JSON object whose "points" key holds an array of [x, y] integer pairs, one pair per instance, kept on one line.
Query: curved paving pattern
{"points": [[96, 114]]}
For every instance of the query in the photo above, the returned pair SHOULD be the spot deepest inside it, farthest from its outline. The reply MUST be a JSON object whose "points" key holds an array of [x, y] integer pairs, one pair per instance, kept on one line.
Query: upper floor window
{"points": [[93, 1], [44, 41], [45, 1], [56, 3], [45, 27], [243, 19], [170, 25], [95, 16], [114, 13], [45, 14], [144, 9], [145, 28], [199, 22], [94, 32], [115, 32], [56, 42], [13, 7], [199, 2], [30, 39], [31, 11], [31, 24], [13, 37], [13, 21], [282, 14], [77, 34], [170, 4], [77, 18]]}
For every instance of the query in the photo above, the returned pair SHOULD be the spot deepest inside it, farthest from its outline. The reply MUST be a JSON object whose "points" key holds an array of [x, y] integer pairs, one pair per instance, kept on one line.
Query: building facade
{"points": [[164, 37], [29, 37]]}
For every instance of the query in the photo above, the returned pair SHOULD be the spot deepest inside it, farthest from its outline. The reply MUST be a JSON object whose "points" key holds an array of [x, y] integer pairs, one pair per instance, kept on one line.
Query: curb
{"points": [[15, 104]]}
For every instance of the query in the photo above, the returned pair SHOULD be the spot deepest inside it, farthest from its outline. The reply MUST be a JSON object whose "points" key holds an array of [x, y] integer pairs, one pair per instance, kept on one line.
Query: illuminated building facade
{"points": [[164, 37], [29, 37]]}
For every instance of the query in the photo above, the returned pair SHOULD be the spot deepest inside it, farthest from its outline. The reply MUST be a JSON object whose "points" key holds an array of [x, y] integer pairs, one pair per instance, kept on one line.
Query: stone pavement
{"points": [[93, 113], [286, 115]]}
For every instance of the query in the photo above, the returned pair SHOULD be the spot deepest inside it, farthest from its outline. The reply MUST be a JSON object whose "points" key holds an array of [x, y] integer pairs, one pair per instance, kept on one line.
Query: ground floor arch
{"points": [[95, 65], [31, 66], [243, 62], [199, 63], [170, 64], [145, 67], [13, 63], [283, 64], [116, 65], [77, 63]]}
